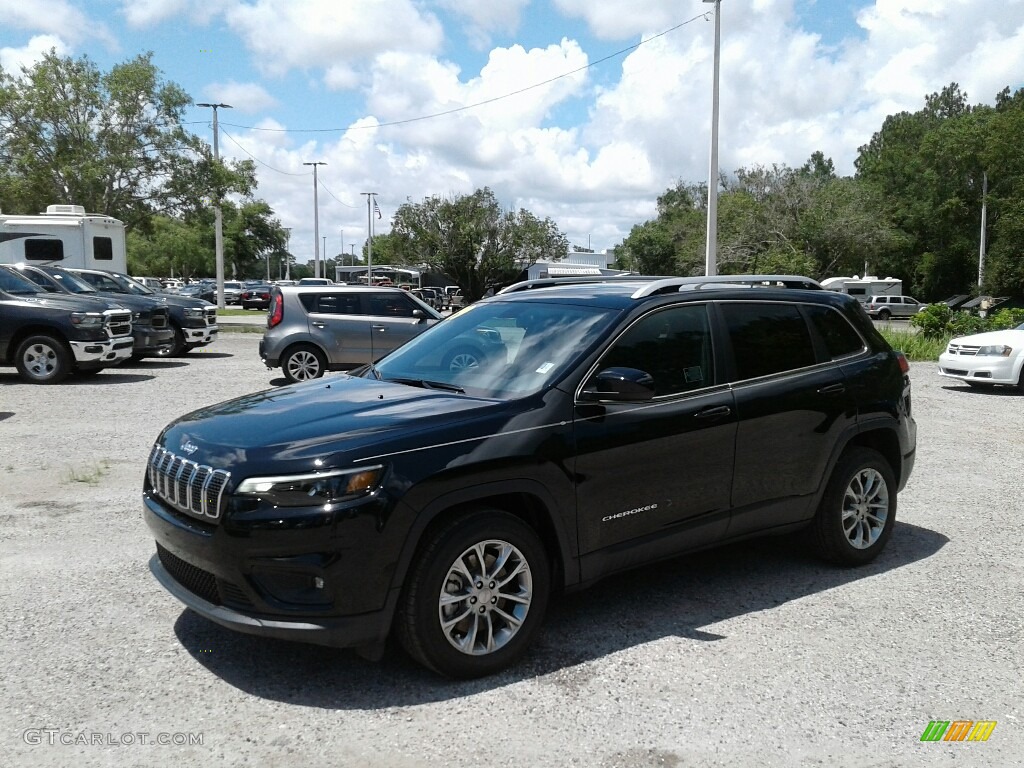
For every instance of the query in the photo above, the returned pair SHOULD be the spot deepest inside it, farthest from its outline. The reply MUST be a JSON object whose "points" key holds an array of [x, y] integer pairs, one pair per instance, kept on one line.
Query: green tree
{"points": [[109, 141], [170, 248], [473, 241]]}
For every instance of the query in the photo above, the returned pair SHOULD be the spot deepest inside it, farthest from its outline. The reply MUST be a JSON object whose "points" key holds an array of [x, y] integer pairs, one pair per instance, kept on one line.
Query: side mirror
{"points": [[420, 315], [620, 384]]}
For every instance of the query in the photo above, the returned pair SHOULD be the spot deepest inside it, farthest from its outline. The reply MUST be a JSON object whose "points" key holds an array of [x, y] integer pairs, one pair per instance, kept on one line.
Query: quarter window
{"points": [[841, 340], [389, 305], [672, 345], [767, 338]]}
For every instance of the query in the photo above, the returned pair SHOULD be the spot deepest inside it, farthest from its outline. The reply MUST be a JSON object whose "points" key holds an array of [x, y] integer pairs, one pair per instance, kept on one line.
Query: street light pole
{"points": [[316, 222], [711, 256], [218, 220]]}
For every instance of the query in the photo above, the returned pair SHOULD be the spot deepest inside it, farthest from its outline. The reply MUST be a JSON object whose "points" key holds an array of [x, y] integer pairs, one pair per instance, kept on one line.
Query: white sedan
{"points": [[996, 357]]}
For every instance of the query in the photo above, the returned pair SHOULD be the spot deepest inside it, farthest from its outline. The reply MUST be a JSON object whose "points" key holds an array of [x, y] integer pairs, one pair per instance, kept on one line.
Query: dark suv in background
{"points": [[622, 421]]}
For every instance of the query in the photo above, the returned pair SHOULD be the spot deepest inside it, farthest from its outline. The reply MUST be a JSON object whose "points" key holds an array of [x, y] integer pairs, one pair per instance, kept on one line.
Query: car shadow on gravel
{"points": [[675, 598], [151, 364], [198, 354], [993, 390]]}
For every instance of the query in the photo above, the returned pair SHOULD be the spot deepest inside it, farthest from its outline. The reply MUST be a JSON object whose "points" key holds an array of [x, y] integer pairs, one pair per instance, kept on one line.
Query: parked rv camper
{"points": [[64, 236], [863, 288]]}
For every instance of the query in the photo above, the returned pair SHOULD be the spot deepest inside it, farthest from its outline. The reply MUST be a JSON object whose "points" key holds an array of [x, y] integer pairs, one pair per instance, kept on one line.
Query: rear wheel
{"points": [[43, 359], [302, 363], [857, 512], [476, 595]]}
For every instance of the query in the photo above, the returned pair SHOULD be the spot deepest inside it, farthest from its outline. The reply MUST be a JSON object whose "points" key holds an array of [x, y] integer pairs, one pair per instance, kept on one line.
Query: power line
{"points": [[478, 103], [251, 155]]}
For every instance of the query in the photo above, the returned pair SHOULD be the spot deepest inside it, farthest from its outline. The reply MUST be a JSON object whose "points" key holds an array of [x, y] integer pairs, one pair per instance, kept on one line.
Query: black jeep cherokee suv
{"points": [[618, 423]]}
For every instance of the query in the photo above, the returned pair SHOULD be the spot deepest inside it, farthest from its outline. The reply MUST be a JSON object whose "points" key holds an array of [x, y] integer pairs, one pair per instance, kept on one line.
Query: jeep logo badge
{"points": [[189, 448]]}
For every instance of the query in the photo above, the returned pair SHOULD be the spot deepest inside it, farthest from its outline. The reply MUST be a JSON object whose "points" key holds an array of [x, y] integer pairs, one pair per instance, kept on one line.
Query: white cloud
{"points": [[55, 17], [481, 19], [337, 36], [142, 14], [619, 19], [13, 59], [249, 98]]}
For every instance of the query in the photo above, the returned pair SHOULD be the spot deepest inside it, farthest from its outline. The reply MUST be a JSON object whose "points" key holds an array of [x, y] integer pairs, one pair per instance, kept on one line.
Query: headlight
{"points": [[313, 489], [88, 319], [194, 314], [995, 350]]}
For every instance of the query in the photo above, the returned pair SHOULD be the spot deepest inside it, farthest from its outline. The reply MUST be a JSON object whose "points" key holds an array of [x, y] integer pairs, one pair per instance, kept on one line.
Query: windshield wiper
{"points": [[426, 384]]}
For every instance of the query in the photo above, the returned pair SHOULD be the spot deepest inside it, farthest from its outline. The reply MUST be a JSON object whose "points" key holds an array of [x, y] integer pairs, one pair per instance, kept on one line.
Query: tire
{"points": [[43, 359], [303, 363], [507, 604], [884, 314], [177, 345], [857, 512], [462, 358]]}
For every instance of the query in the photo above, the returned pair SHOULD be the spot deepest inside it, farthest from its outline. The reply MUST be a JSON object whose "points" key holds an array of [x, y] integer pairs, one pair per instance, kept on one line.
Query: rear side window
{"points": [[43, 250], [767, 338], [331, 303], [103, 249], [673, 345], [841, 340]]}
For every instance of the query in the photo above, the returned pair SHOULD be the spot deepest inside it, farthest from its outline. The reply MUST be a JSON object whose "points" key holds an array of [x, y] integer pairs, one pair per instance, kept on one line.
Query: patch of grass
{"points": [[89, 476], [242, 329], [915, 346], [237, 312]]}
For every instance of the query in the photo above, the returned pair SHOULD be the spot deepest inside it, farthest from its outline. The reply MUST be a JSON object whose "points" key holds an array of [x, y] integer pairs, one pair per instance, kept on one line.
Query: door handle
{"points": [[380, 328], [317, 324], [713, 413], [832, 389]]}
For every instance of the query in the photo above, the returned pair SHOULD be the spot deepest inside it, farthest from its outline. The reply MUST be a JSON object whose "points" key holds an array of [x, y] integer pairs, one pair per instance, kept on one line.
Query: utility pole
{"points": [[711, 255], [369, 231], [325, 256], [316, 222], [984, 217], [218, 220], [288, 254]]}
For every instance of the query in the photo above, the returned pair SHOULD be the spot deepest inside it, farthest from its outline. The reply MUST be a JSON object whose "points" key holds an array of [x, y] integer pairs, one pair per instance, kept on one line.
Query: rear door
{"points": [[792, 406], [338, 326]]}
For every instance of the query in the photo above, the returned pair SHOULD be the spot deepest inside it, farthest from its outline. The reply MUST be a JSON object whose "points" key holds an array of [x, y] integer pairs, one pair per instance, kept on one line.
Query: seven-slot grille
{"points": [[185, 485], [118, 323], [963, 349]]}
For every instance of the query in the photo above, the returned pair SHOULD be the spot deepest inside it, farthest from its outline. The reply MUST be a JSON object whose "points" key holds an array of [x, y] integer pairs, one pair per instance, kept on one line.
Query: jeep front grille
{"points": [[187, 486]]}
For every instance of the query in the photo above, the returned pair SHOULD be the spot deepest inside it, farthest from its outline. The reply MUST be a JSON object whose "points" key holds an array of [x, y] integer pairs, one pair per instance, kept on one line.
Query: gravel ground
{"points": [[750, 655]]}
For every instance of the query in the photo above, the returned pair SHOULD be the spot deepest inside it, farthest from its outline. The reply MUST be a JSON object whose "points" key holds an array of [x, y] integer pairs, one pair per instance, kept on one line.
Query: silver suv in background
{"points": [[884, 307], [312, 329]]}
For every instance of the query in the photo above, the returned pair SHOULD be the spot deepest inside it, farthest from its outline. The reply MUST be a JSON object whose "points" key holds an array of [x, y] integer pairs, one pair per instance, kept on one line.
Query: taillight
{"points": [[276, 314], [902, 360]]}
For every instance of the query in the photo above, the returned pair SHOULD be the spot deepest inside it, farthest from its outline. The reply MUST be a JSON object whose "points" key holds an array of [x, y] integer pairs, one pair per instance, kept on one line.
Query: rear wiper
{"points": [[426, 384]]}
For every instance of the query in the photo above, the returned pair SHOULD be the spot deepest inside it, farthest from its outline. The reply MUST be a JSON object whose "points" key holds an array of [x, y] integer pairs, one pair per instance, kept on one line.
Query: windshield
{"points": [[12, 282], [132, 286], [497, 349], [70, 282]]}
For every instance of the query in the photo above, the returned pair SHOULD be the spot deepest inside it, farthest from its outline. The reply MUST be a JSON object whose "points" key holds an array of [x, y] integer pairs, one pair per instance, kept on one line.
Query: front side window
{"points": [[672, 345], [767, 338], [37, 249]]}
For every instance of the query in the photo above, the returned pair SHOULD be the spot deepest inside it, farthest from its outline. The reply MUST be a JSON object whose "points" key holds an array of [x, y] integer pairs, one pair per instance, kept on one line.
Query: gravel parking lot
{"points": [[751, 655]]}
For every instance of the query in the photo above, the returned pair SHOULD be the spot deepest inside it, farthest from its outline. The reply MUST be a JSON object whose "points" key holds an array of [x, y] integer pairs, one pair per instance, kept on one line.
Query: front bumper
{"points": [[200, 337], [982, 369], [110, 351], [151, 341]]}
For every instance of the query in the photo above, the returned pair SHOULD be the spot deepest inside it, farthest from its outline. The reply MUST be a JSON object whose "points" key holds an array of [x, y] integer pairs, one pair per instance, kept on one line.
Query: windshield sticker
{"points": [[545, 367]]}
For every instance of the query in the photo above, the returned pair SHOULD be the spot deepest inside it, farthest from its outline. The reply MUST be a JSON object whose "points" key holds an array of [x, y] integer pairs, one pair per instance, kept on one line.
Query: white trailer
{"points": [[64, 236], [862, 288]]}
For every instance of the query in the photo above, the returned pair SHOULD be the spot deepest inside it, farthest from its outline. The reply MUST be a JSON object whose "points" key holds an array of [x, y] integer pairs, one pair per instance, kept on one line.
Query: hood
{"points": [[134, 303], [1011, 338], [187, 302], [70, 302], [338, 420]]}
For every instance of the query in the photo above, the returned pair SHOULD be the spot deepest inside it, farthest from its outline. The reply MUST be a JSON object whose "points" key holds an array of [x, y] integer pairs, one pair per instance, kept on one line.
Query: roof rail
{"points": [[674, 284], [547, 282]]}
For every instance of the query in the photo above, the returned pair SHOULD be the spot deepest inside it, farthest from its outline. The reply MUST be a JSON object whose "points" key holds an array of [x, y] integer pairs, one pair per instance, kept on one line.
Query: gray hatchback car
{"points": [[318, 328]]}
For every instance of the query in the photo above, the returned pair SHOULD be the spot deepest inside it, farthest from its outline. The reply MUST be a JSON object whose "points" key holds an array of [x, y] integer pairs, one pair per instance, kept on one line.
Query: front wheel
{"points": [[177, 346], [475, 596], [43, 359], [303, 363], [884, 314], [461, 359], [857, 512]]}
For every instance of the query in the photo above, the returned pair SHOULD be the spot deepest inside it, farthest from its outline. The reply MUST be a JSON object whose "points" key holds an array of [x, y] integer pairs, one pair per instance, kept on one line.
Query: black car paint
{"points": [[579, 471]]}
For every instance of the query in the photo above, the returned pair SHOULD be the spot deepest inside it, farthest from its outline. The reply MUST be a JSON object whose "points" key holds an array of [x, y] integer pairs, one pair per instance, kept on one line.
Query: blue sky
{"points": [[343, 81]]}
